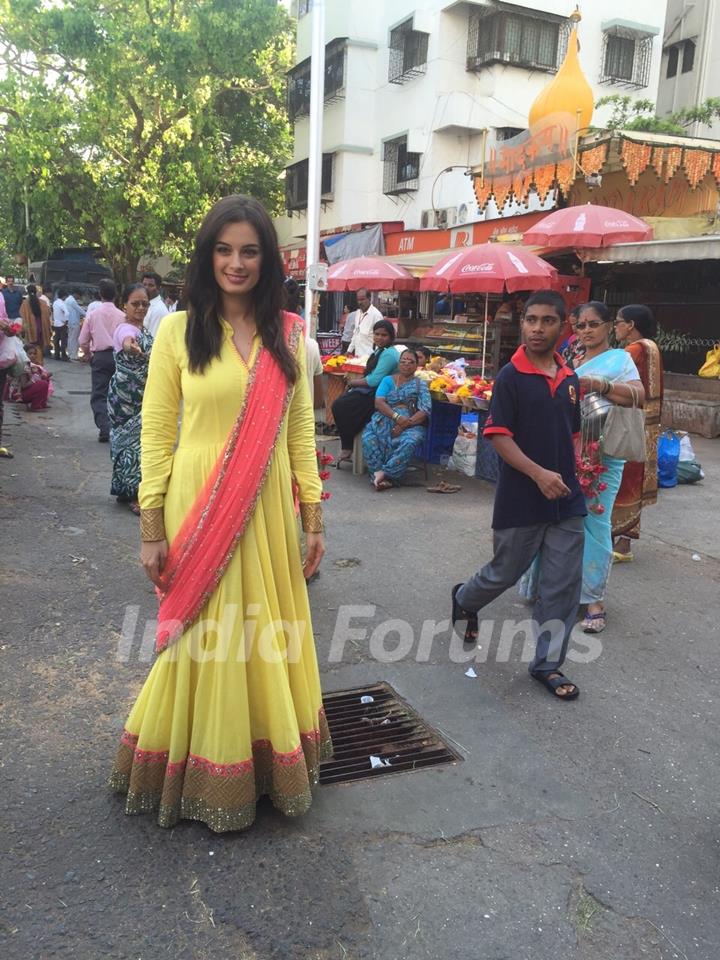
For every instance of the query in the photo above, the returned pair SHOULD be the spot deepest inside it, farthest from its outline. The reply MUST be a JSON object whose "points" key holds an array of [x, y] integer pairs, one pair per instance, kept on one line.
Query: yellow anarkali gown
{"points": [[233, 709]]}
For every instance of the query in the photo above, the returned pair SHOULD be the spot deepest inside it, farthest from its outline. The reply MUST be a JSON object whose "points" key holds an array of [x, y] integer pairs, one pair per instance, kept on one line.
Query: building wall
{"points": [[442, 111], [697, 21]]}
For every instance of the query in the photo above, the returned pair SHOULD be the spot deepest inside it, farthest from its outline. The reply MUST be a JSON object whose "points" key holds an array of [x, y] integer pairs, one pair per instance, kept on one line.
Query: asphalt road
{"points": [[585, 830]]}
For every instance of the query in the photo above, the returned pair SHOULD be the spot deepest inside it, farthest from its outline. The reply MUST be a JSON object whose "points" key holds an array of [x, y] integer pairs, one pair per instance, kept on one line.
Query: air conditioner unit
{"points": [[462, 213], [427, 220], [446, 217]]}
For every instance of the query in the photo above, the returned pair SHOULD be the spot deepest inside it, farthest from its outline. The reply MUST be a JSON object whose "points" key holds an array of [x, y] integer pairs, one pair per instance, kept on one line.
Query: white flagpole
{"points": [[317, 102]]}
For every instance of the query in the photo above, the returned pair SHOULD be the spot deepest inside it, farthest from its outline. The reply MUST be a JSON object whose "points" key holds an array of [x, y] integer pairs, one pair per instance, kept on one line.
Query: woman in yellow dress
{"points": [[232, 708]]}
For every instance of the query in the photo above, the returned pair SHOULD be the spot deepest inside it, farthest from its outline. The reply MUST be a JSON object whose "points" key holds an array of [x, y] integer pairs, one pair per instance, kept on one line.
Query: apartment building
{"points": [[690, 70], [418, 91]]}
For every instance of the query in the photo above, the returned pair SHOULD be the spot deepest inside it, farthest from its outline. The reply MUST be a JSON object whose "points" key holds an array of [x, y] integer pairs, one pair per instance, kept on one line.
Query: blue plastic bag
{"points": [[668, 456]]}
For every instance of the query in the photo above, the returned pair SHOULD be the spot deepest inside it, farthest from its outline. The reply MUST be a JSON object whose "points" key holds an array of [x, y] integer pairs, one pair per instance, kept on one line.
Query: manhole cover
{"points": [[374, 732]]}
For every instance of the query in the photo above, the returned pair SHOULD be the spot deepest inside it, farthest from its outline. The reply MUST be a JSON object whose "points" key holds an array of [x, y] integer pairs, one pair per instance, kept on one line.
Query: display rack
{"points": [[454, 339]]}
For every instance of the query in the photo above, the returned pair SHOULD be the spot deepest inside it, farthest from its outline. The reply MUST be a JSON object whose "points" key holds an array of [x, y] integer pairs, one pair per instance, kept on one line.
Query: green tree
{"points": [[629, 114], [123, 121]]}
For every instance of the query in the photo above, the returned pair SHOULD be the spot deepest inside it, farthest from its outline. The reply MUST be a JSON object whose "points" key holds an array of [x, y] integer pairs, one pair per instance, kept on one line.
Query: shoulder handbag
{"points": [[624, 432]]}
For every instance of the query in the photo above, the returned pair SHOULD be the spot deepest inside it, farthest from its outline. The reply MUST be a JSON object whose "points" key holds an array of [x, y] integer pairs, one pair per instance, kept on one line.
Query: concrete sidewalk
{"points": [[585, 830]]}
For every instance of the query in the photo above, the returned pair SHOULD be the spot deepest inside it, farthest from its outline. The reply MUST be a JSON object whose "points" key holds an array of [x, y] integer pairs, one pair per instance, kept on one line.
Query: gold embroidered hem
{"points": [[311, 516], [223, 796], [152, 524]]}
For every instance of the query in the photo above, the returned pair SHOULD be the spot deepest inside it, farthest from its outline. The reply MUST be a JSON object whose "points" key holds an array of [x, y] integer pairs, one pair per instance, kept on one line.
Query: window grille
{"points": [[672, 64], [304, 6], [528, 39], [296, 183], [401, 168], [408, 53], [626, 57], [298, 80]]}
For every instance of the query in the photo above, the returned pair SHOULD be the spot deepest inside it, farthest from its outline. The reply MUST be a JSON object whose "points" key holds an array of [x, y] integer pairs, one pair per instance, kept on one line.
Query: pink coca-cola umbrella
{"points": [[587, 226], [369, 273], [489, 268]]}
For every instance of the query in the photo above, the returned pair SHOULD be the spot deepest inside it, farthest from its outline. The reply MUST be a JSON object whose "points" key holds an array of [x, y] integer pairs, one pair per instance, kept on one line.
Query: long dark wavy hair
{"points": [[33, 300], [204, 334]]}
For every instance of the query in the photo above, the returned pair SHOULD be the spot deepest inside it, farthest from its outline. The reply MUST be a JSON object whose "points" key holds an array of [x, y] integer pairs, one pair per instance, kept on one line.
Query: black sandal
{"points": [[458, 614], [553, 683]]}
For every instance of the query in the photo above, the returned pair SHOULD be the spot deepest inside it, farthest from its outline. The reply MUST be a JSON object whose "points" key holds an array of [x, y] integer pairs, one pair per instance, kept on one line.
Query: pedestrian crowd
{"points": [[209, 412]]}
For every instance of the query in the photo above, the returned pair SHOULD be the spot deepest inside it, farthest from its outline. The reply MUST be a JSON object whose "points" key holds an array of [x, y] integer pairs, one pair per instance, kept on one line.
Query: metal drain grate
{"points": [[379, 736]]}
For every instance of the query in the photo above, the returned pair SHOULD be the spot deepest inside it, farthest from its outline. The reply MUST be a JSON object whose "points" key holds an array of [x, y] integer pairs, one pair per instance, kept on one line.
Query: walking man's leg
{"points": [[102, 367], [559, 584], [515, 549]]}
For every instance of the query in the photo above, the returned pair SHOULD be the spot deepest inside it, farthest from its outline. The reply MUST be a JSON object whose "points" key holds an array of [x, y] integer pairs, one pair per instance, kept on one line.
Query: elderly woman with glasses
{"points": [[612, 374], [132, 344]]}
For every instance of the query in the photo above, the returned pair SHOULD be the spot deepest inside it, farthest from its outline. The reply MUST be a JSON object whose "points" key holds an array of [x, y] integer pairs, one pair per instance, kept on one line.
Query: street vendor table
{"points": [[334, 388]]}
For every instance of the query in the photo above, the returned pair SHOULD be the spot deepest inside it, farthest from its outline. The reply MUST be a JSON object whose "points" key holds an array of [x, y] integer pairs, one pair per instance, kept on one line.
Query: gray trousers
{"points": [[102, 367], [560, 546]]}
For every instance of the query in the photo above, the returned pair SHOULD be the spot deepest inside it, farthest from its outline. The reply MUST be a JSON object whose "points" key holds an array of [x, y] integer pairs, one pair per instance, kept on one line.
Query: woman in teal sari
{"points": [[398, 426], [613, 374], [132, 345]]}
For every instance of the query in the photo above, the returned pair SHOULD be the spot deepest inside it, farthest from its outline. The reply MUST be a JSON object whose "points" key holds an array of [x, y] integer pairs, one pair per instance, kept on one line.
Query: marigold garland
{"points": [[635, 158], [695, 164]]}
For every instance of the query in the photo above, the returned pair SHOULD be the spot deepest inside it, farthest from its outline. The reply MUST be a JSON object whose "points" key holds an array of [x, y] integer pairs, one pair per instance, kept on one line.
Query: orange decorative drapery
{"points": [[673, 159], [544, 178], [696, 164], [565, 175], [502, 189], [635, 158], [482, 193], [593, 160], [716, 168]]}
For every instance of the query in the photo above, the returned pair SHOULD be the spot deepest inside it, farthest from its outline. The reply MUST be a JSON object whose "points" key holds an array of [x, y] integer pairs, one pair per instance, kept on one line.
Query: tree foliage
{"points": [[629, 114], [122, 121]]}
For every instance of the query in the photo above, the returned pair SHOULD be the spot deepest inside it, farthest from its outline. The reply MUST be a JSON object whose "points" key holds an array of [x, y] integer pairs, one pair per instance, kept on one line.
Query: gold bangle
{"points": [[311, 516], [152, 524]]}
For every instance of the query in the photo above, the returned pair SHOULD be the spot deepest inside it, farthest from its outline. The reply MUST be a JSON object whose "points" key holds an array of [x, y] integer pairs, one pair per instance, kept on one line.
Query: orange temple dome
{"points": [[568, 91]]}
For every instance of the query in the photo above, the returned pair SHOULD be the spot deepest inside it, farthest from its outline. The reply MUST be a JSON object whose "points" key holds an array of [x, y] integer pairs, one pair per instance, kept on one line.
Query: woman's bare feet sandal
{"points": [[594, 622], [459, 616], [555, 682]]}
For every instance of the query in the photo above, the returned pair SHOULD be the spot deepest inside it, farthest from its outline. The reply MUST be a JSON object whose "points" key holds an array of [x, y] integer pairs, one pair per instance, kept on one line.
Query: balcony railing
{"points": [[408, 53], [626, 57], [401, 168], [531, 40], [296, 183], [298, 80]]}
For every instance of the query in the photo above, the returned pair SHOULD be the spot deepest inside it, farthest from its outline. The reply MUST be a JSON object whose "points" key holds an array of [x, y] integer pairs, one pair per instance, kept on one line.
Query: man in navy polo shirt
{"points": [[539, 506]]}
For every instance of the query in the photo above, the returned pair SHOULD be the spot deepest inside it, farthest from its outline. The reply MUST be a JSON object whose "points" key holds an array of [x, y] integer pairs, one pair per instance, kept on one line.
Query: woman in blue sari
{"points": [[397, 428], [613, 374]]}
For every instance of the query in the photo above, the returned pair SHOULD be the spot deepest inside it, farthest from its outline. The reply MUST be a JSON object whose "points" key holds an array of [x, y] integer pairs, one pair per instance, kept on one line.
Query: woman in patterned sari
{"points": [[132, 345], [402, 407], [636, 329]]}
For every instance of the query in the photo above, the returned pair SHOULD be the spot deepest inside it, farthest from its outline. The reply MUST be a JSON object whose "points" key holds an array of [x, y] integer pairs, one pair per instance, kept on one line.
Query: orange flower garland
{"points": [[635, 158], [695, 164]]}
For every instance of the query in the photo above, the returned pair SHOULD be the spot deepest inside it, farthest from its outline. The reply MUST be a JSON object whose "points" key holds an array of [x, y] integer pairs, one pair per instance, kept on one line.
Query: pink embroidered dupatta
{"points": [[217, 520]]}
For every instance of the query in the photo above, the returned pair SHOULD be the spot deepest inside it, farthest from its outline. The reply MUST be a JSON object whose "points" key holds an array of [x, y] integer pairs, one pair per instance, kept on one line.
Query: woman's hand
{"points": [[130, 345], [315, 550], [402, 422], [589, 384], [153, 554]]}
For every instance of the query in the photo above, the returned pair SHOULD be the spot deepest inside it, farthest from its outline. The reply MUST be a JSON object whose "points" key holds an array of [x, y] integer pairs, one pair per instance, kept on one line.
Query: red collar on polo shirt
{"points": [[523, 365]]}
